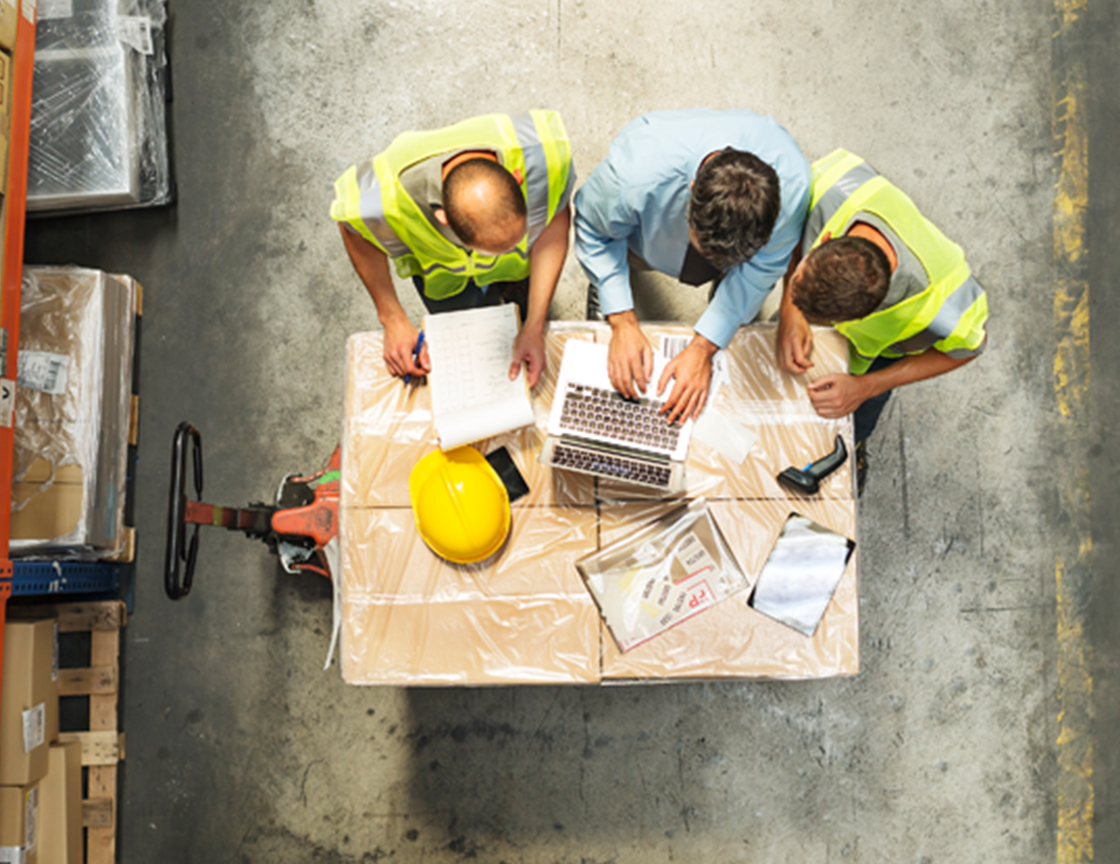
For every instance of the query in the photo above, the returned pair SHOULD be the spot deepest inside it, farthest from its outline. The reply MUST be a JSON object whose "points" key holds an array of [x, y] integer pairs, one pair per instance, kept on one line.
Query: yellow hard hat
{"points": [[460, 505]]}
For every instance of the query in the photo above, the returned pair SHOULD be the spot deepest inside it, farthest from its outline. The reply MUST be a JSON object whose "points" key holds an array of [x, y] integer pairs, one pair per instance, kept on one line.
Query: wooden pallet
{"points": [[103, 743]]}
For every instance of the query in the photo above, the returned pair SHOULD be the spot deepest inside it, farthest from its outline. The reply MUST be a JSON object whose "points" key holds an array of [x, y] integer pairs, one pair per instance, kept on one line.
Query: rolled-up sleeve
{"points": [[604, 221], [743, 290]]}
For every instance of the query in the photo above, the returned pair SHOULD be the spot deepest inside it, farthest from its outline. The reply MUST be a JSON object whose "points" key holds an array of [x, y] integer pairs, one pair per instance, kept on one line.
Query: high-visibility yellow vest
{"points": [[949, 315], [533, 146]]}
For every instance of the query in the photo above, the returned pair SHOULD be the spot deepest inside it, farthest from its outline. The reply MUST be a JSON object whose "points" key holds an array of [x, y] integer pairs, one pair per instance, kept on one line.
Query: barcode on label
{"points": [[671, 346]]}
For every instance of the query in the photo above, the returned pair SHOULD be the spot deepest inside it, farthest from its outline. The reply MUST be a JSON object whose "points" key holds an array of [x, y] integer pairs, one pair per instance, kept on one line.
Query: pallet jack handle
{"points": [[179, 553]]}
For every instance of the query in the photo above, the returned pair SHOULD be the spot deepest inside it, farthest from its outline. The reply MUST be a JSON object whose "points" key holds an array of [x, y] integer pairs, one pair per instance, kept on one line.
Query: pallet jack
{"points": [[296, 528]]}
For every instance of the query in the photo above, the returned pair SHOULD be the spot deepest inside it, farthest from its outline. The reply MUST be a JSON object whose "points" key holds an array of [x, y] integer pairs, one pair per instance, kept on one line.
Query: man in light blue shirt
{"points": [[699, 195]]}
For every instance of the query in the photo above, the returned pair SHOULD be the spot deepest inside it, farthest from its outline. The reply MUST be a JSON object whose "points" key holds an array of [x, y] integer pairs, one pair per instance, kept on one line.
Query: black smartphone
{"points": [[502, 462]]}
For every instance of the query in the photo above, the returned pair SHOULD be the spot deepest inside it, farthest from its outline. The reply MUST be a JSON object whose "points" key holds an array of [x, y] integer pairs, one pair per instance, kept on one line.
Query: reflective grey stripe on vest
{"points": [[536, 173], [482, 268], [833, 199], [428, 271], [945, 321], [373, 213]]}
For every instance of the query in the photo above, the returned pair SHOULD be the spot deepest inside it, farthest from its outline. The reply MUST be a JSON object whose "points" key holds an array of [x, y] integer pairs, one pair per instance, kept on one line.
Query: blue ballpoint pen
{"points": [[415, 354]]}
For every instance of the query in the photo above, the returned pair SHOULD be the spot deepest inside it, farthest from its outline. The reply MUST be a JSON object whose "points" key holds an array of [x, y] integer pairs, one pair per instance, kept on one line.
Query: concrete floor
{"points": [[949, 745]]}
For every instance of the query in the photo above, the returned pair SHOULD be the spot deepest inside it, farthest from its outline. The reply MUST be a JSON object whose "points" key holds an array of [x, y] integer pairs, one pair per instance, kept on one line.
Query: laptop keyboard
{"points": [[608, 414], [609, 465]]}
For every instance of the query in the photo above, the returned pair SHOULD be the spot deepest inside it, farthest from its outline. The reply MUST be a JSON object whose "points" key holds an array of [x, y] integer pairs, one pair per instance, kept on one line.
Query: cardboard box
{"points": [[60, 807], [730, 639], [524, 616], [489, 617], [9, 18], [29, 701], [48, 511], [19, 823], [72, 418]]}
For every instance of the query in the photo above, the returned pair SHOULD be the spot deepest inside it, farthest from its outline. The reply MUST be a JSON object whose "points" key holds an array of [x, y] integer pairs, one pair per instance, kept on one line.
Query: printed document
{"points": [[472, 396]]}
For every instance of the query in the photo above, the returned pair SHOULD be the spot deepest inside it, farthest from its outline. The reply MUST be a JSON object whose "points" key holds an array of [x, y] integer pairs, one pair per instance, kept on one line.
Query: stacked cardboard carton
{"points": [[32, 775], [524, 615]]}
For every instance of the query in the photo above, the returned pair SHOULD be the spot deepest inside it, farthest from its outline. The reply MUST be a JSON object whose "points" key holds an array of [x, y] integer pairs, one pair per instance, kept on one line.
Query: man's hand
{"points": [[528, 348], [400, 342], [630, 357], [839, 395], [692, 369], [795, 342]]}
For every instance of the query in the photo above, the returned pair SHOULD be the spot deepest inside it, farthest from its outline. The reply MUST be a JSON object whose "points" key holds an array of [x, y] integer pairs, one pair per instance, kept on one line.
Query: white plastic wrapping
{"points": [[524, 615], [72, 412], [98, 127]]}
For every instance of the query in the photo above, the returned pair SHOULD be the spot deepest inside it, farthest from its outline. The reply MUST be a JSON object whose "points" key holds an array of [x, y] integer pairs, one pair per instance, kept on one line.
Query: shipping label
{"points": [[34, 727], [43, 371]]}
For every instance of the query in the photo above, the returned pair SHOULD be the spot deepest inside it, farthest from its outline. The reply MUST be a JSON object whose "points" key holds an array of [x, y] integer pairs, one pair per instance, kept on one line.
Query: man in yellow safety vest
{"points": [[474, 213], [885, 277]]}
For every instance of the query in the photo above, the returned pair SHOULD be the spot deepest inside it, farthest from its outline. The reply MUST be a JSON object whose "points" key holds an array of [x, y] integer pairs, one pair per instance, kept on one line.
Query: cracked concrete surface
{"points": [[241, 748]]}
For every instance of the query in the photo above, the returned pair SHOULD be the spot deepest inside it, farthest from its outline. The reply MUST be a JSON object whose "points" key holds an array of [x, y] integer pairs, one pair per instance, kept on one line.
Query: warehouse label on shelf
{"points": [[7, 401], [29, 10]]}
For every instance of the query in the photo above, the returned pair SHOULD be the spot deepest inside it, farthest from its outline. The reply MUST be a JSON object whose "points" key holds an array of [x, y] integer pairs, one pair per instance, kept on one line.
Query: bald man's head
{"points": [[484, 206]]}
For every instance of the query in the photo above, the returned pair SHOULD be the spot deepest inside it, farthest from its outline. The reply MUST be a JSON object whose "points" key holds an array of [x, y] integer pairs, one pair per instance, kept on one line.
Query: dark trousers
{"points": [[867, 414], [472, 296]]}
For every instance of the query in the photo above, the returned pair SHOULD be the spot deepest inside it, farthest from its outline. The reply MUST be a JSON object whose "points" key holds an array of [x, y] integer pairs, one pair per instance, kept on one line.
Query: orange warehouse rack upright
{"points": [[15, 206]]}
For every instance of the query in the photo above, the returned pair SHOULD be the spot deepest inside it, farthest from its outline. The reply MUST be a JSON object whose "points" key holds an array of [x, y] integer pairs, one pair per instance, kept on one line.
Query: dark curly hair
{"points": [[842, 280], [733, 207]]}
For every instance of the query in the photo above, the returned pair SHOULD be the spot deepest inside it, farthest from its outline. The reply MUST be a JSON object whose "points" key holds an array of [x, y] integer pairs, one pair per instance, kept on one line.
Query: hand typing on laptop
{"points": [[594, 429], [691, 372], [630, 366]]}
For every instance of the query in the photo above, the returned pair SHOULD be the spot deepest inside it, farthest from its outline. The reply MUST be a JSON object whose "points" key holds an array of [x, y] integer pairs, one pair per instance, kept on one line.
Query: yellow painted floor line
{"points": [[1071, 387]]}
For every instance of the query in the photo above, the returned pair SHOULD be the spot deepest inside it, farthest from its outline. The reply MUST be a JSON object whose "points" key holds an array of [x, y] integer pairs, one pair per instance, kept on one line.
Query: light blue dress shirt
{"points": [[637, 198]]}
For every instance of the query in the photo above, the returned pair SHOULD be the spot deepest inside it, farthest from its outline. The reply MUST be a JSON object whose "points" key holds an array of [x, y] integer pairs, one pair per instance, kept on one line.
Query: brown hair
{"points": [[733, 207], [842, 280]]}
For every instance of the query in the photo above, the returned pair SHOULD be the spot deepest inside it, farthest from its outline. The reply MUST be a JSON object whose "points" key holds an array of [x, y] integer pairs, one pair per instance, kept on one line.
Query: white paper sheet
{"points": [[472, 396]]}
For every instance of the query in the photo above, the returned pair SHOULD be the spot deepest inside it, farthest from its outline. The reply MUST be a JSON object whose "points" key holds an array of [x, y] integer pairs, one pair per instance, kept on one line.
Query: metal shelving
{"points": [[12, 274]]}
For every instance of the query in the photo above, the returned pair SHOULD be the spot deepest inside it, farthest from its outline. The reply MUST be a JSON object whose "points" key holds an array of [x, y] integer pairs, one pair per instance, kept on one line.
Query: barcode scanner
{"points": [[807, 480]]}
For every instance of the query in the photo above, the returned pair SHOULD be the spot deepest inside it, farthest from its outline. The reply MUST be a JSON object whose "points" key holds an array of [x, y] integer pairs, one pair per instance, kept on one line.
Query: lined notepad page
{"points": [[472, 396]]}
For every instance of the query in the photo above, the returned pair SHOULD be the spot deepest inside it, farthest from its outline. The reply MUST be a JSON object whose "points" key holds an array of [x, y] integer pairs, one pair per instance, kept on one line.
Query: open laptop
{"points": [[595, 430]]}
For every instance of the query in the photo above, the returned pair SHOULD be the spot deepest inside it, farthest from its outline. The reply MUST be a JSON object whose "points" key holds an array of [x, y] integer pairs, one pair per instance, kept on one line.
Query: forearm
{"points": [[546, 260], [917, 367], [372, 267]]}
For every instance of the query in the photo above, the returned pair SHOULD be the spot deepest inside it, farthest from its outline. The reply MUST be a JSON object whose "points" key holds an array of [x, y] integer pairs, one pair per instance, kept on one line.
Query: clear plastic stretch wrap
{"points": [[98, 127], [72, 412], [524, 615]]}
